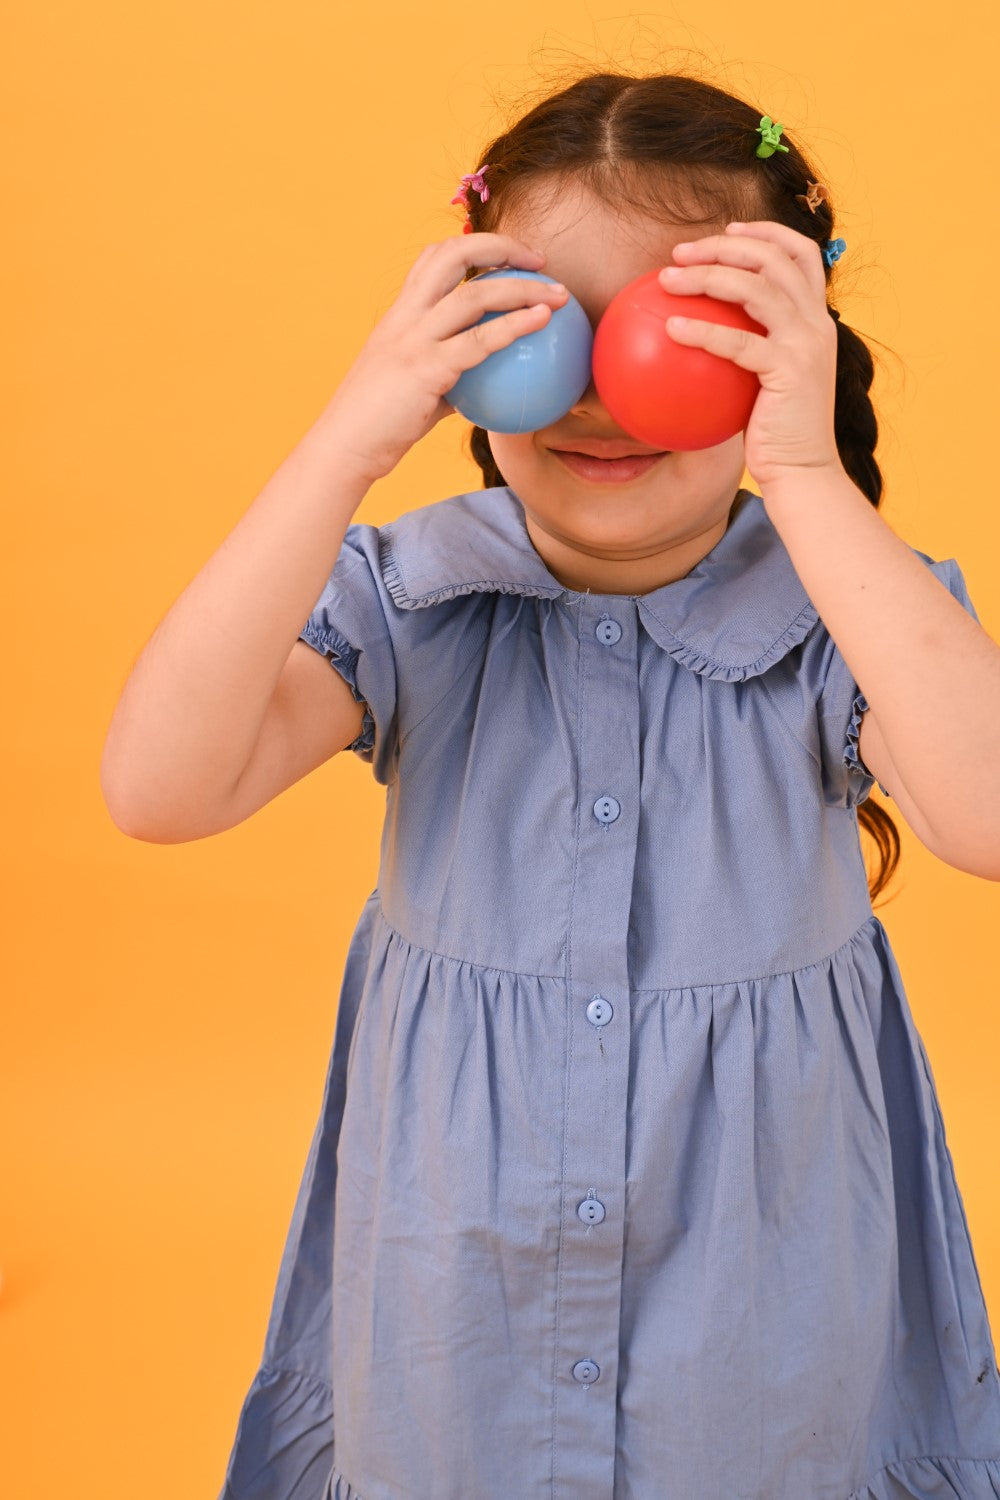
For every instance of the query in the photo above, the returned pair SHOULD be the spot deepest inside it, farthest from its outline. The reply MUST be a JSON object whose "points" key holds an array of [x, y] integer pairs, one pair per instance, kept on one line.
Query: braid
{"points": [[854, 422]]}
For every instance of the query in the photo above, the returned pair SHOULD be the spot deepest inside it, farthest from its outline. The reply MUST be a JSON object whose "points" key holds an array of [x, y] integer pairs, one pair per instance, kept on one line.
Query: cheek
{"points": [[512, 450]]}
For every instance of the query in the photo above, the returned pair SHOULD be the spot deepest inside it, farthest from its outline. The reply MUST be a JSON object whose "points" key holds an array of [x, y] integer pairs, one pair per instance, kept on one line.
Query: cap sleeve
{"points": [[841, 702], [348, 625]]}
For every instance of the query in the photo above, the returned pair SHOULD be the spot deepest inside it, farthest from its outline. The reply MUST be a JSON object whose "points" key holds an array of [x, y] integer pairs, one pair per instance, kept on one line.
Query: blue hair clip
{"points": [[833, 250]]}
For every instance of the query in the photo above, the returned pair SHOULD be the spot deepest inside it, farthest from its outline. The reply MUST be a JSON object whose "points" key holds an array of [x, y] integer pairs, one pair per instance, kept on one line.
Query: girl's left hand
{"points": [[778, 276]]}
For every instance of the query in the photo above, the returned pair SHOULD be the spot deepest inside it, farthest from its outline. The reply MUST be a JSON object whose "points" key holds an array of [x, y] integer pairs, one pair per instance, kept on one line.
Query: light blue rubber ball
{"points": [[534, 380]]}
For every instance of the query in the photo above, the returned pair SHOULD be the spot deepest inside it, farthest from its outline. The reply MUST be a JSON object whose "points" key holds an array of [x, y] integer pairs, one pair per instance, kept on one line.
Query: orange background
{"points": [[207, 207]]}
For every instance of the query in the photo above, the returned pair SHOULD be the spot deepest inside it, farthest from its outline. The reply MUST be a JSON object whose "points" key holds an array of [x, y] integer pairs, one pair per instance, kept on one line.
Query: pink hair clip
{"points": [[477, 182]]}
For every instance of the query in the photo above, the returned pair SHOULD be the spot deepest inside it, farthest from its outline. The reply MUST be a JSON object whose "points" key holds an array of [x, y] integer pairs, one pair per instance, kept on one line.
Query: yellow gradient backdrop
{"points": [[207, 206]]}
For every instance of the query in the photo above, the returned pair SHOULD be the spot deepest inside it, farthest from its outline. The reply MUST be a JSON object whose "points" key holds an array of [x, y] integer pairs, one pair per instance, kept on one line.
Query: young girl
{"points": [[630, 1180]]}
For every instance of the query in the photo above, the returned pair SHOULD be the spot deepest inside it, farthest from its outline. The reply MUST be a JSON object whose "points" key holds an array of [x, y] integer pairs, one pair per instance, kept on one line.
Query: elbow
{"points": [[125, 816], [140, 822]]}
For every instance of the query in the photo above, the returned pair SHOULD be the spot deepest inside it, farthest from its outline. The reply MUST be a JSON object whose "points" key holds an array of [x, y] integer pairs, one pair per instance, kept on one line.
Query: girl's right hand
{"points": [[394, 392]]}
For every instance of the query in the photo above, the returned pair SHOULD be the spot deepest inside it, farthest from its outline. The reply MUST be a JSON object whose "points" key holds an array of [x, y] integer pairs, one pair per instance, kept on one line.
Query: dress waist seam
{"points": [[870, 921]]}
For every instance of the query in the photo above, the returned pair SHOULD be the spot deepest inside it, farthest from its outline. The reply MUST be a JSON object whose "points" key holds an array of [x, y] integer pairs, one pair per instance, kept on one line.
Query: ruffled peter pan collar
{"points": [[737, 612]]}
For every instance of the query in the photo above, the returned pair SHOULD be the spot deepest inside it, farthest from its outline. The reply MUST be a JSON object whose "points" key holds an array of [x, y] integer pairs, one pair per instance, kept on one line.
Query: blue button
{"points": [[591, 1210], [585, 1371], [600, 1011], [608, 632], [606, 809]]}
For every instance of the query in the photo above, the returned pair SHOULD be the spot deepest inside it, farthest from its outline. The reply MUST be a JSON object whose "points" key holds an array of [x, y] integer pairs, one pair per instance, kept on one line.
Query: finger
{"points": [[762, 298], [804, 252], [471, 347], [465, 305], [772, 264], [436, 273], [746, 349]]}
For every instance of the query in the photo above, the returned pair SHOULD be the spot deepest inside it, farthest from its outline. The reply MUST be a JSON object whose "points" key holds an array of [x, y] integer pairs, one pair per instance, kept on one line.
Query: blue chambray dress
{"points": [[630, 1180]]}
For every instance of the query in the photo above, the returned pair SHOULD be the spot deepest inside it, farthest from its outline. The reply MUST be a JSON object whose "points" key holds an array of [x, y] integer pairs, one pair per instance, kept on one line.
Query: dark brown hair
{"points": [[683, 149]]}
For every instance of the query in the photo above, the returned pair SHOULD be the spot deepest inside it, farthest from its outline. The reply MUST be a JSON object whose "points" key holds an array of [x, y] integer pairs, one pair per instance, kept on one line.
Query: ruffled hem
{"points": [[852, 760], [344, 660], [284, 1440], [926, 1479], [905, 1479]]}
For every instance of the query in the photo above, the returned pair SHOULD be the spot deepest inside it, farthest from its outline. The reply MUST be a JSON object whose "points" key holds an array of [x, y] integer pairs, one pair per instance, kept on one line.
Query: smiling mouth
{"points": [[608, 470]]}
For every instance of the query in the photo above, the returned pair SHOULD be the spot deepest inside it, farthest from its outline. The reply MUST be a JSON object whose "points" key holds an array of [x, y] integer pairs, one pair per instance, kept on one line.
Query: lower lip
{"points": [[608, 470]]}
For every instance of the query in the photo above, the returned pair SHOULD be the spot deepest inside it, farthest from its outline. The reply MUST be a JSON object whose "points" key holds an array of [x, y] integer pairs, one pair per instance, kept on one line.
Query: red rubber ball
{"points": [[673, 396]]}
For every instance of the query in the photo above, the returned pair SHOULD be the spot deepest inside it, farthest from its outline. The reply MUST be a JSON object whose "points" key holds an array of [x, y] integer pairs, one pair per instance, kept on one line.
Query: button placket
{"points": [[589, 1293]]}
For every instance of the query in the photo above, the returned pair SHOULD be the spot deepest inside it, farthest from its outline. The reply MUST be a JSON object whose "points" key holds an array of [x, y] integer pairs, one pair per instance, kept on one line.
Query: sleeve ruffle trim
{"points": [[344, 660], [852, 760]]}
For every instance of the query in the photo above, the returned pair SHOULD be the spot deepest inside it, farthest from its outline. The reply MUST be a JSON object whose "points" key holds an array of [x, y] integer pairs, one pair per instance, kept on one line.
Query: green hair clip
{"points": [[769, 133]]}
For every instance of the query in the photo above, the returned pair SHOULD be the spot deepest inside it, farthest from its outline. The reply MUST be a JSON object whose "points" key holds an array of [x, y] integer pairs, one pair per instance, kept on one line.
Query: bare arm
{"points": [[201, 732], [193, 707]]}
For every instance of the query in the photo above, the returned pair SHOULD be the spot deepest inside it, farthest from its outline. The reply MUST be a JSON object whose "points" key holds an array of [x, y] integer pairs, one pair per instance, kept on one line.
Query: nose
{"points": [[589, 401]]}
